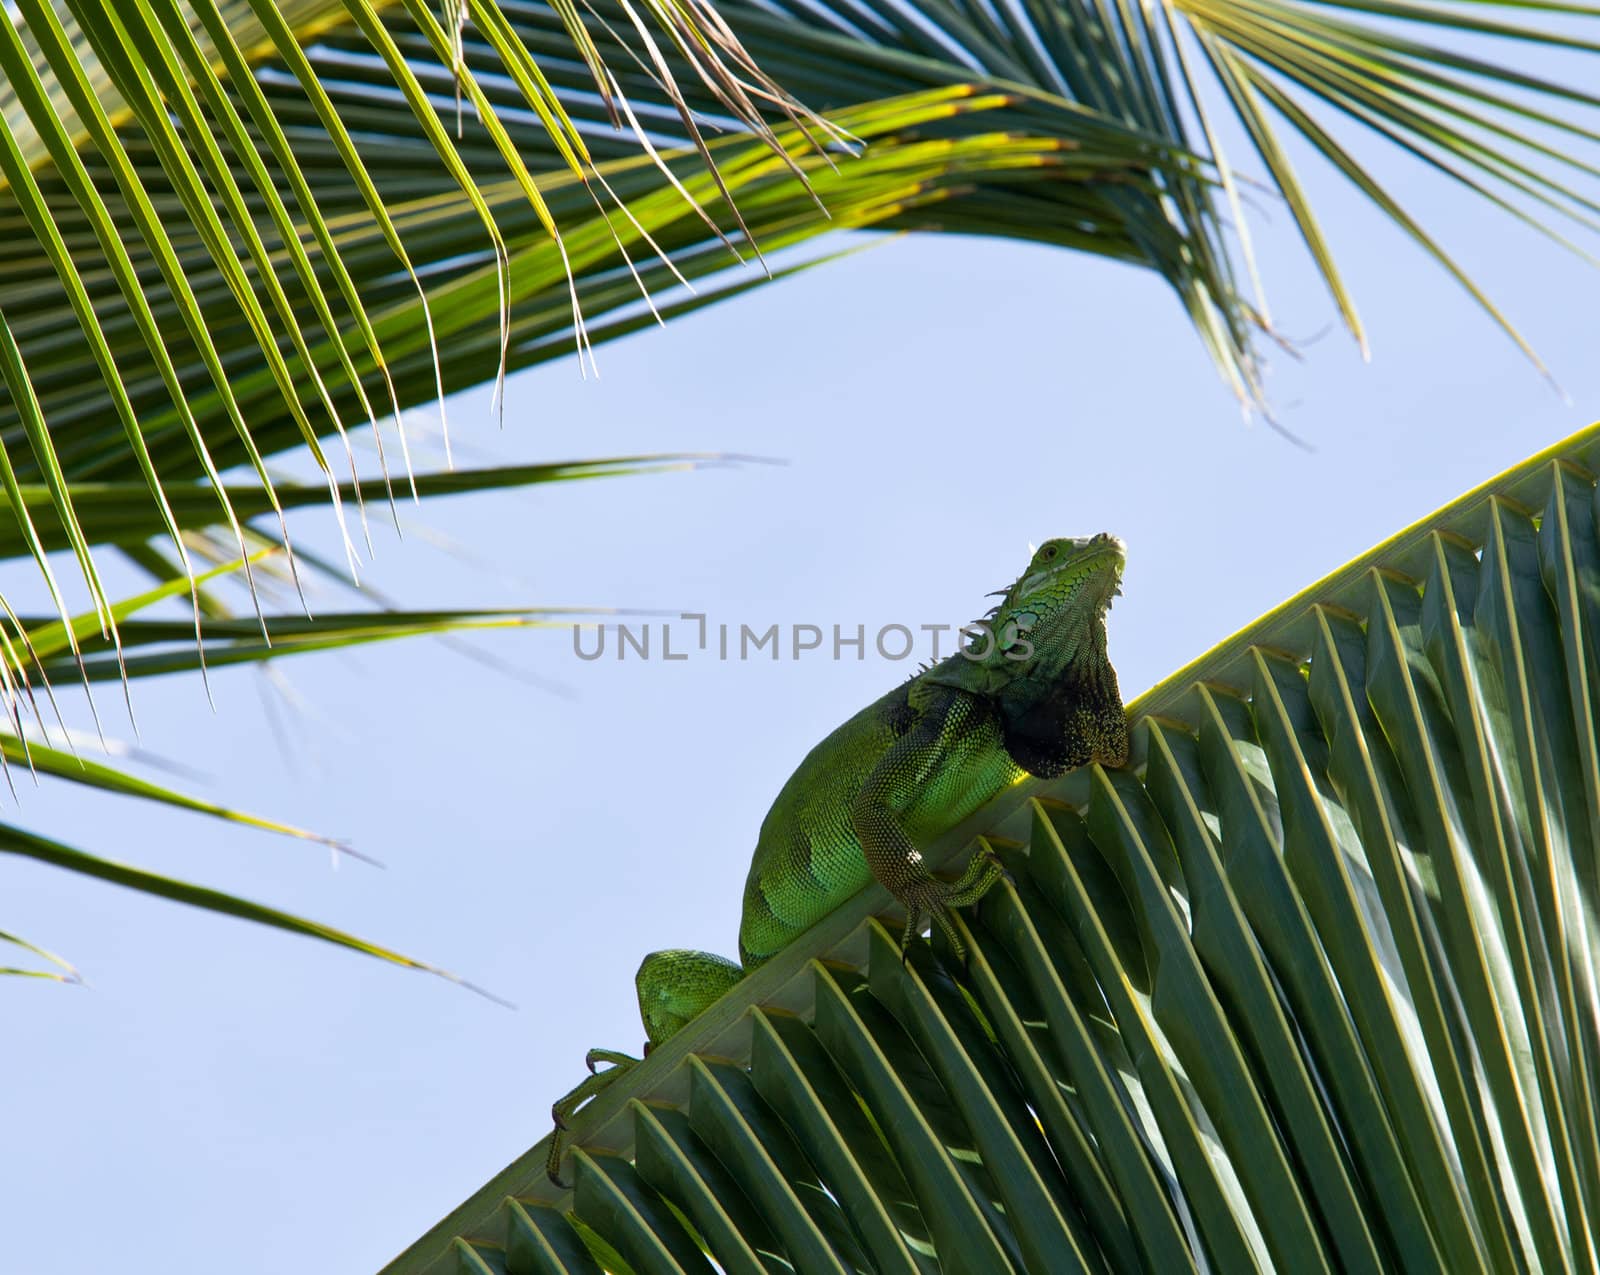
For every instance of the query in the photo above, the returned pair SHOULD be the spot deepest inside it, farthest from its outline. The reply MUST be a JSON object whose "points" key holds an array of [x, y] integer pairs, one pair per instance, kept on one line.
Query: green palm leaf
{"points": [[204, 268], [1310, 985], [41, 653], [167, 222], [62, 973], [119, 513], [1174, 72]]}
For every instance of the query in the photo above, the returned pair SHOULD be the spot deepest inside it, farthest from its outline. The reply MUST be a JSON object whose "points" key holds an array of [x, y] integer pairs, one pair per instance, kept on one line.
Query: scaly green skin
{"points": [[905, 769]]}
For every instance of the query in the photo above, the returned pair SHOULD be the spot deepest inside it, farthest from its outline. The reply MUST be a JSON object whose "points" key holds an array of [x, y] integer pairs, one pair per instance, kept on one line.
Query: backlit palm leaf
{"points": [[162, 215], [228, 229], [41, 747], [40, 656], [1442, 81]]}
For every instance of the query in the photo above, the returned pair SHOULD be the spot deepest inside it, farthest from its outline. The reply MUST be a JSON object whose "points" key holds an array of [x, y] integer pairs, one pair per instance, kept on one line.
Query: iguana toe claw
{"points": [[1002, 873], [912, 926], [552, 1162], [947, 927], [615, 1057]]}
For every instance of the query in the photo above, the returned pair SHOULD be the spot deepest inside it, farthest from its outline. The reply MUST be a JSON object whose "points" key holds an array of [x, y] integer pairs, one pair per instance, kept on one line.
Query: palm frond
{"points": [[1310, 985], [155, 647], [39, 654], [119, 513], [151, 647], [317, 287], [19, 841], [1472, 102], [62, 973], [179, 217]]}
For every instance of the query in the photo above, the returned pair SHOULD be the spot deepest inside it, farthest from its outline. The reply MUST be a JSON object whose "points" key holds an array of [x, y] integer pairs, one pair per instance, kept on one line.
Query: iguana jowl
{"points": [[1041, 700]]}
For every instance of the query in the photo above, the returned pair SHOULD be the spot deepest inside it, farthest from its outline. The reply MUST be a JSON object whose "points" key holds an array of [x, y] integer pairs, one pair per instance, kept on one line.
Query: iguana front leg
{"points": [[924, 765]]}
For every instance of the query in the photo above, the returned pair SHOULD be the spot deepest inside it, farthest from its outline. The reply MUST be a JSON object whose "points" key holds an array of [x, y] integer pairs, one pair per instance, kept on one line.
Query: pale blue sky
{"points": [[227, 1096]]}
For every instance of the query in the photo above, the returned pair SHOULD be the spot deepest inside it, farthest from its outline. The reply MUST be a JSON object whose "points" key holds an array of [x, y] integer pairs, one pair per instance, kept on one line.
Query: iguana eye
{"points": [[1048, 552]]}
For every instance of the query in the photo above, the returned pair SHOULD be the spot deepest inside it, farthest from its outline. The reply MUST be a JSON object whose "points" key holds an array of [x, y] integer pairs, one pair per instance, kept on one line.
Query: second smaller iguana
{"points": [[1037, 696]]}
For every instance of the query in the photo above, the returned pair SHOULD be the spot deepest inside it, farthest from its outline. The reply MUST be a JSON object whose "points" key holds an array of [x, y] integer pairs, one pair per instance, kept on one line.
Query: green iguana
{"points": [[1037, 696]]}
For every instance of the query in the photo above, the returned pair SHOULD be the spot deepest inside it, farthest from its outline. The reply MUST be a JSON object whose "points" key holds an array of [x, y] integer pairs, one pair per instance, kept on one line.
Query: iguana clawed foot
{"points": [[936, 899], [563, 1109]]}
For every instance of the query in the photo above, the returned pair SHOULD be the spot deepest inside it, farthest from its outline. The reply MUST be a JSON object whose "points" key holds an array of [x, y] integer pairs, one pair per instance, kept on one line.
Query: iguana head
{"points": [[1054, 614], [1047, 673], [1050, 619]]}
